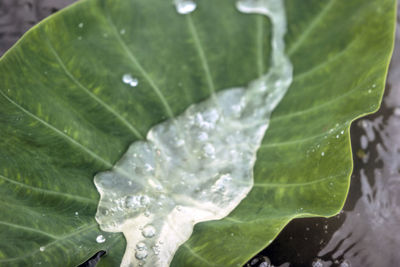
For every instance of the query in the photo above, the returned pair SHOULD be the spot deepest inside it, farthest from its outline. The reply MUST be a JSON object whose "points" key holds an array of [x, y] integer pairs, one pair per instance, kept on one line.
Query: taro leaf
{"points": [[65, 114]]}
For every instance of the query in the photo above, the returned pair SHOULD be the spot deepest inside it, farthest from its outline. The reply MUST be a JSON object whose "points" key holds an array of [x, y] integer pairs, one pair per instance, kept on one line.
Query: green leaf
{"points": [[65, 115]]}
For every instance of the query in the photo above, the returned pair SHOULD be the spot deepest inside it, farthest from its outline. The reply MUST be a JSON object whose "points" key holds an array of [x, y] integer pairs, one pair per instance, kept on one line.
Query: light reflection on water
{"points": [[368, 232]]}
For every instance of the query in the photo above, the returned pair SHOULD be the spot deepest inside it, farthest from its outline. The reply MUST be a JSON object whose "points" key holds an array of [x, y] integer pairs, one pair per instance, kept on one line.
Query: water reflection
{"points": [[370, 234], [367, 233]]}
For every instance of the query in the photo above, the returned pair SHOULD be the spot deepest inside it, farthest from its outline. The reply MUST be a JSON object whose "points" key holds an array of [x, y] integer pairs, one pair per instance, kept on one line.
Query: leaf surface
{"points": [[65, 114]]}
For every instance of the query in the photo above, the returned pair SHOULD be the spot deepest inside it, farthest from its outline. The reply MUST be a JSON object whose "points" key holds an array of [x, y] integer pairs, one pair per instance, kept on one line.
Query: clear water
{"points": [[373, 194], [196, 167]]}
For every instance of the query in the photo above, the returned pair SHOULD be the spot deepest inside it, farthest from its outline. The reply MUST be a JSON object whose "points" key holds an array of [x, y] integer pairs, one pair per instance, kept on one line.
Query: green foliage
{"points": [[65, 114]]}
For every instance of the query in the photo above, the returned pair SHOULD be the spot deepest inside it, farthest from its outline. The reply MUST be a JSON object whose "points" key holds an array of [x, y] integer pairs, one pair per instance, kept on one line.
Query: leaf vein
{"points": [[135, 61], [90, 94], [314, 23], [201, 53], [46, 191], [56, 130], [28, 229]]}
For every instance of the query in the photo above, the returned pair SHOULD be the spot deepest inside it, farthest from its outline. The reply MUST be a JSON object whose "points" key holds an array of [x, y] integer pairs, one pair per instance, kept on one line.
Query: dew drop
{"points": [[42, 249], [76, 213], [185, 6], [149, 231], [323, 154], [100, 239], [80, 25], [122, 31], [128, 79]]}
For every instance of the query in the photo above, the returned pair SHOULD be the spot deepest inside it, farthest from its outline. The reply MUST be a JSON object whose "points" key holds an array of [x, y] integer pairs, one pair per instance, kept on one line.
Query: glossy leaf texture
{"points": [[65, 114]]}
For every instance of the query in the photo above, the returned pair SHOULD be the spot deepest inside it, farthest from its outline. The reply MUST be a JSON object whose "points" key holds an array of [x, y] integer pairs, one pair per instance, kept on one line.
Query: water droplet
{"points": [[79, 38], [144, 200], [128, 79], [141, 246], [337, 136], [185, 6], [148, 231], [156, 249], [180, 142], [148, 167], [104, 211], [100, 239], [76, 213], [342, 132], [122, 31], [209, 150], [323, 154], [369, 91], [42, 249], [80, 25], [132, 202], [374, 86], [141, 254], [203, 136]]}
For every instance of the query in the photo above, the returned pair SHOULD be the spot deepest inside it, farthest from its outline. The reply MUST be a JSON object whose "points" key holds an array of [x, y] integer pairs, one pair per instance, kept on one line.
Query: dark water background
{"points": [[367, 232]]}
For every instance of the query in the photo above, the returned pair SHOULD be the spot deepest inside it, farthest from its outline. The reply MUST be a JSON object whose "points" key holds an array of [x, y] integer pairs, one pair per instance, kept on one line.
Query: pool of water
{"points": [[367, 232]]}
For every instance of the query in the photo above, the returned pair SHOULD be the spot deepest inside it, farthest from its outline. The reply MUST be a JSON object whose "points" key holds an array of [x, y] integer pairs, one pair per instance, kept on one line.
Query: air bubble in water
{"points": [[100, 239], [131, 202], [185, 6], [141, 254], [141, 246], [209, 150], [149, 231], [144, 200]]}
